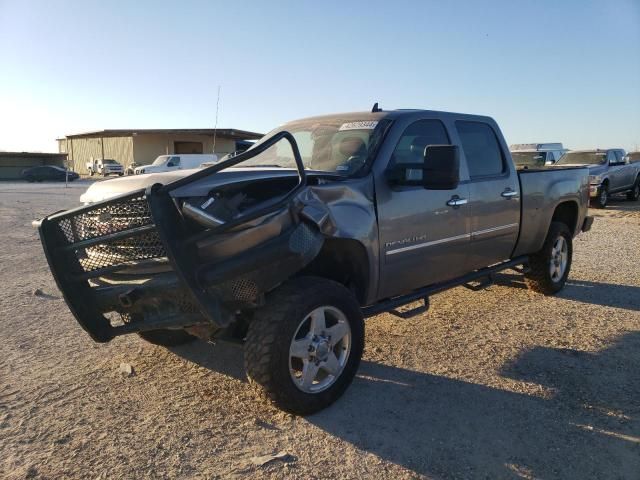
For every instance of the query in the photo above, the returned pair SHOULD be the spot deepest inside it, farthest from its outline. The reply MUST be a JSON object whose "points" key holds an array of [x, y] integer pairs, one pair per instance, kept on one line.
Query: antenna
{"points": [[215, 128], [376, 108]]}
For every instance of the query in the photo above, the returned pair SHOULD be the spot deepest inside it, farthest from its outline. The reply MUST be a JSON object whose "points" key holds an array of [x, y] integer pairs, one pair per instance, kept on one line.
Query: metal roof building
{"points": [[142, 146]]}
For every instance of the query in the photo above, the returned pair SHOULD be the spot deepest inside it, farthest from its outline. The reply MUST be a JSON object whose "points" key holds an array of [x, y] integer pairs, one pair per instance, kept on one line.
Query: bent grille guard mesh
{"points": [[180, 243], [146, 225]]}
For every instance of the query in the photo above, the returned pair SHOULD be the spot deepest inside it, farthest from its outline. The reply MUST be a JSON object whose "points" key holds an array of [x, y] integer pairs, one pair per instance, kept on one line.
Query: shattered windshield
{"points": [[341, 145]]}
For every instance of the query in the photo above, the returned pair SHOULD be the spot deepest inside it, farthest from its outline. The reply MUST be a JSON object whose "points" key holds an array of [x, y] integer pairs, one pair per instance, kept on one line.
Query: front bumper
{"points": [[136, 257]]}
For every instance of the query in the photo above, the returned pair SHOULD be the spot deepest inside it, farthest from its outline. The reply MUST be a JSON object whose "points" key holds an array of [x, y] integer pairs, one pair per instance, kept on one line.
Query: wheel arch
{"points": [[345, 261], [566, 212]]}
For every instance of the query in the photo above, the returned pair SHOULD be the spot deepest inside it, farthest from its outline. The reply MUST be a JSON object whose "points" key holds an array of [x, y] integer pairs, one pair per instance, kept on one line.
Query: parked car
{"points": [[610, 171], [104, 167], [325, 221], [48, 172], [536, 155], [167, 163]]}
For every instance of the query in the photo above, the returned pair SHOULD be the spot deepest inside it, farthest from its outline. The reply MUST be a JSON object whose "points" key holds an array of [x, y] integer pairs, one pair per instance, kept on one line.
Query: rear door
{"points": [[424, 238], [494, 194]]}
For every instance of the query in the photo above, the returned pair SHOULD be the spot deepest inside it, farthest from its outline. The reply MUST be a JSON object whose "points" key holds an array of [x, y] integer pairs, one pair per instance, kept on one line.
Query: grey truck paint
{"points": [[409, 236]]}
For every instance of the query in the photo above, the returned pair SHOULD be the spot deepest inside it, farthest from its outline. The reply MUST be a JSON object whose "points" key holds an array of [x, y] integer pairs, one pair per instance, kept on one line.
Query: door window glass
{"points": [[414, 141], [173, 162]]}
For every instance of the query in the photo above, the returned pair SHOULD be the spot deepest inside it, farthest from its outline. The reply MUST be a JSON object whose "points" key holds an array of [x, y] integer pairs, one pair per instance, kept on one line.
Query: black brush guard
{"points": [[146, 227]]}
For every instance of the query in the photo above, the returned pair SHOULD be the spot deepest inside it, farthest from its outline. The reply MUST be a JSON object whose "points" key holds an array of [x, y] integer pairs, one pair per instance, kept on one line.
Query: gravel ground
{"points": [[502, 383]]}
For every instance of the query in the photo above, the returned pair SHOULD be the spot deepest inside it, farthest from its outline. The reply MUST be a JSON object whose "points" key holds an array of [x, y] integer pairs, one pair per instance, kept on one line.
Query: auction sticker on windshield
{"points": [[364, 125]]}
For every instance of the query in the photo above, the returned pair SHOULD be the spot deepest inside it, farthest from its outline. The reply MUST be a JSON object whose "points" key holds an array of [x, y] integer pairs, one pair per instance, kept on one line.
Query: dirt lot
{"points": [[503, 383]]}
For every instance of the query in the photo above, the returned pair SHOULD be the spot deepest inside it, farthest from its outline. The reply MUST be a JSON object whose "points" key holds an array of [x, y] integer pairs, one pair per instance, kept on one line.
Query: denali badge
{"points": [[405, 241]]}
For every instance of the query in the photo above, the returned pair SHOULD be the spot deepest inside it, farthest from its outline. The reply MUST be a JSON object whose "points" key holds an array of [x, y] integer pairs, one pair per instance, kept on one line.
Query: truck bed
{"points": [[541, 191]]}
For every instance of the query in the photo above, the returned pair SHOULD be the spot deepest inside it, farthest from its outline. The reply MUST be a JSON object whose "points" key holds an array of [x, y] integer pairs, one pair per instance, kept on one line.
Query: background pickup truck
{"points": [[104, 167], [329, 220], [610, 171]]}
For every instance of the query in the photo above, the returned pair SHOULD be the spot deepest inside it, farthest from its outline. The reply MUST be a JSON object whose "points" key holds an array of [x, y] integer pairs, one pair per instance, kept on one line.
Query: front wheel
{"points": [[634, 193], [303, 349], [603, 196], [551, 265]]}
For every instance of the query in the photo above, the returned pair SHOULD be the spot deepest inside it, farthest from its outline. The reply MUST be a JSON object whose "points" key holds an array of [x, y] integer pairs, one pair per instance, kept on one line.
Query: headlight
{"points": [[595, 179]]}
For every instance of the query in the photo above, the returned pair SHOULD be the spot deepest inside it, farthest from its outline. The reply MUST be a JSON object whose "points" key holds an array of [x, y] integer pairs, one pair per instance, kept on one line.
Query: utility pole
{"points": [[215, 128]]}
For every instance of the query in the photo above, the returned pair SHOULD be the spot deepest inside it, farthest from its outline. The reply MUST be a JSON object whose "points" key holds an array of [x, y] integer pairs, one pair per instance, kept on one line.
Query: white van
{"points": [[178, 161]]}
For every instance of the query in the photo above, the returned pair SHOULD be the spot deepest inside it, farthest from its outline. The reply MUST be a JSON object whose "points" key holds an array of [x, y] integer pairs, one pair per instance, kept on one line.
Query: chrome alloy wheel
{"points": [[319, 349], [559, 259]]}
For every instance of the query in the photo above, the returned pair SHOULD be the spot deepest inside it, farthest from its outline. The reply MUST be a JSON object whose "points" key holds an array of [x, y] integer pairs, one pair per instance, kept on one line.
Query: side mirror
{"points": [[440, 169]]}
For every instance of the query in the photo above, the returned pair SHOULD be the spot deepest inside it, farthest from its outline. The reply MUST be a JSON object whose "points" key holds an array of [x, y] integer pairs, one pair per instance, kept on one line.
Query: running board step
{"points": [[406, 314], [481, 284]]}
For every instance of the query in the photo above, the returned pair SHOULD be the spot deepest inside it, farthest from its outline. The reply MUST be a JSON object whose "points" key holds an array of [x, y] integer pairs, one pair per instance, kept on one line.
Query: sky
{"points": [[547, 71]]}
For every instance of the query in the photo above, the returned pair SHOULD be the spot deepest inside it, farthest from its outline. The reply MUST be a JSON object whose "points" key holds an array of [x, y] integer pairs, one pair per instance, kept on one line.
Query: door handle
{"points": [[456, 201], [508, 193]]}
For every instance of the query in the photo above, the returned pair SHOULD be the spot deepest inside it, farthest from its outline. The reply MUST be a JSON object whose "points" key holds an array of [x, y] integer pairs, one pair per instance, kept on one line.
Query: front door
{"points": [[424, 237], [173, 163], [494, 196]]}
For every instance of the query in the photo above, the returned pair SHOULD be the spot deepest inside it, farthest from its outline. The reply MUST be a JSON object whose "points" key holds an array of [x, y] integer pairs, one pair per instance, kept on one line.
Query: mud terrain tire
{"points": [[275, 329], [540, 278]]}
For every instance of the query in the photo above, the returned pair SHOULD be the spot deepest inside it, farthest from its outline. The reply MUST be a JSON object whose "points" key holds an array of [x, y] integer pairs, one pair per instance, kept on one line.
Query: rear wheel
{"points": [[303, 349], [634, 193], [551, 265], [603, 196]]}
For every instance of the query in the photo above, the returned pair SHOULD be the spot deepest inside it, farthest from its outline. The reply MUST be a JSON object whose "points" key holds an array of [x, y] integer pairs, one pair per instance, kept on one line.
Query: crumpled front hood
{"points": [[106, 189]]}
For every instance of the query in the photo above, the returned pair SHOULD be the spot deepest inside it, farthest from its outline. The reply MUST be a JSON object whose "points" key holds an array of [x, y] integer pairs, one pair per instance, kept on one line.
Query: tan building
{"points": [[143, 146]]}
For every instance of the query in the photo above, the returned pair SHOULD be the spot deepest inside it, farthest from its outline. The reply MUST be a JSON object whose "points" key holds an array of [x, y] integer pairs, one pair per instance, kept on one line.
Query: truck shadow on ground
{"points": [[584, 424], [588, 427], [224, 358], [597, 293]]}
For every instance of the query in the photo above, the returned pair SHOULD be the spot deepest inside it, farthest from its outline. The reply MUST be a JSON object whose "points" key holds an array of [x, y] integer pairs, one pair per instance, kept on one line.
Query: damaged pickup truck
{"points": [[325, 221]]}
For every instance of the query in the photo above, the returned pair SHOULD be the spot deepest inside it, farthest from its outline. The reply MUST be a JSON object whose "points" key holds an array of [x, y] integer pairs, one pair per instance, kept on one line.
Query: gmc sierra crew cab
{"points": [[323, 222]]}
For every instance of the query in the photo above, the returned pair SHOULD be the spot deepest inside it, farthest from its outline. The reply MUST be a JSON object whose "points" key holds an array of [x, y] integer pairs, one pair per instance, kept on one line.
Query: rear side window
{"points": [[481, 149]]}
